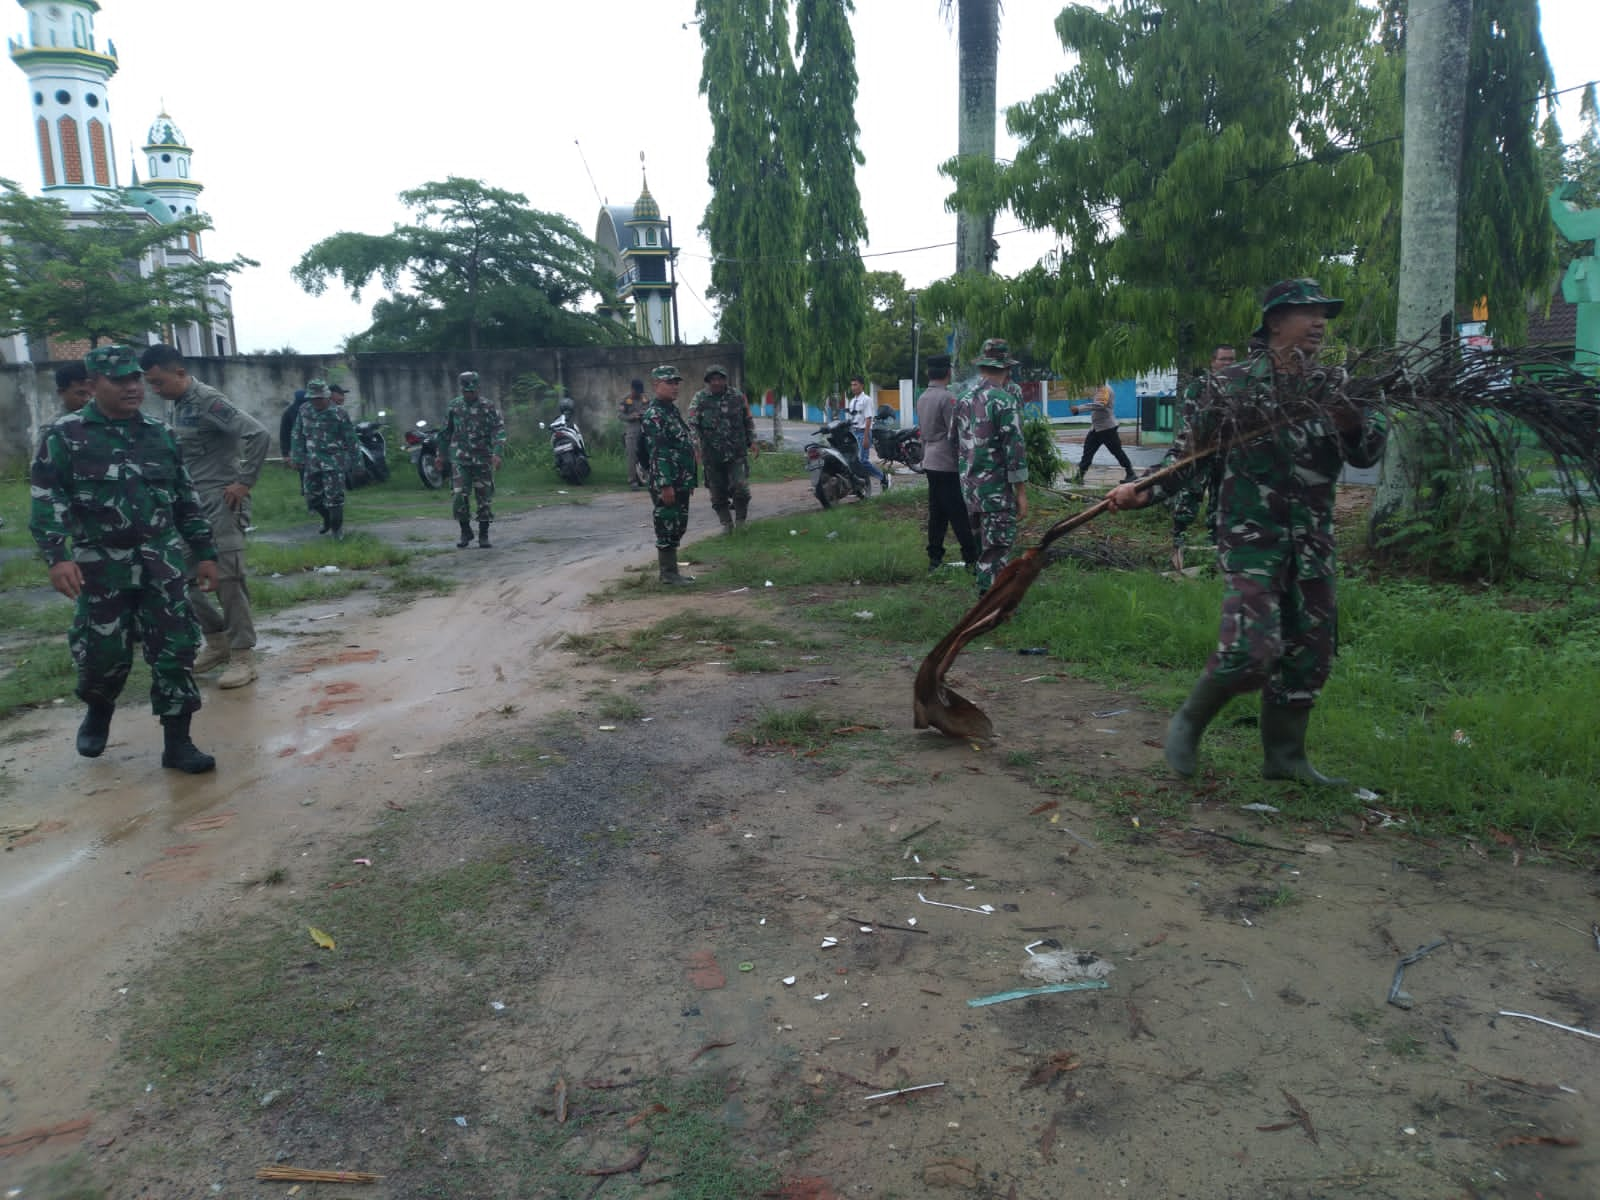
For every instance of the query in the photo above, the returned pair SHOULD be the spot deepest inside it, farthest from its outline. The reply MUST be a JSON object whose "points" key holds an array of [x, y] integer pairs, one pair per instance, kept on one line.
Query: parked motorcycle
{"points": [[834, 464], [566, 443], [372, 458], [422, 444], [893, 444]]}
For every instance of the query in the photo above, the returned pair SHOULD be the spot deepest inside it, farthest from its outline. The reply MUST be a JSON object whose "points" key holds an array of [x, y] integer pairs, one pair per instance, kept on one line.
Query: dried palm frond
{"points": [[1478, 405]]}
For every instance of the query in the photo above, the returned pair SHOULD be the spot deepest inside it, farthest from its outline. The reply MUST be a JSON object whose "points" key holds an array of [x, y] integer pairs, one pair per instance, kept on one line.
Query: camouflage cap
{"points": [[715, 369], [1286, 292], [665, 372], [113, 361], [996, 352], [317, 389], [468, 381]]}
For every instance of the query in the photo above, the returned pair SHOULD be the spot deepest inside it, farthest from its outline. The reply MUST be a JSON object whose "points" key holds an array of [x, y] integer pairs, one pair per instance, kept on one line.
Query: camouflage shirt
{"points": [[113, 487], [323, 441], [722, 425], [993, 457], [666, 447], [474, 432], [1274, 504]]}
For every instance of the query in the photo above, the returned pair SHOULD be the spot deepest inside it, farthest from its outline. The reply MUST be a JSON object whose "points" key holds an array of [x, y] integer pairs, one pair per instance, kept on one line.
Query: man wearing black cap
{"points": [[946, 509], [1275, 527]]}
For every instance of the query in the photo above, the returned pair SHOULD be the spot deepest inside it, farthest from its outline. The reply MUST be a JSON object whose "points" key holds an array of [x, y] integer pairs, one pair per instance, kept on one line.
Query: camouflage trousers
{"points": [[728, 481], [469, 484], [323, 489], [671, 520], [235, 619], [996, 533], [1277, 635], [139, 598]]}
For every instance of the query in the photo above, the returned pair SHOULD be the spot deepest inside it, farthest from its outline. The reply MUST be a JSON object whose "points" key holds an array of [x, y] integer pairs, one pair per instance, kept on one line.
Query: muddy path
{"points": [[349, 710], [872, 879]]}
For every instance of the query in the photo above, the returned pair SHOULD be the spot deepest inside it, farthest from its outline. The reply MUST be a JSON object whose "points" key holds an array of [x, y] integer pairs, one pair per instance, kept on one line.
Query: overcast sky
{"points": [[307, 117]]}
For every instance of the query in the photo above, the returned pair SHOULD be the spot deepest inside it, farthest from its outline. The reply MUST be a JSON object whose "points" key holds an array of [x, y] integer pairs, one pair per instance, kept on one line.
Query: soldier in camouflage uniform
{"points": [[724, 435], [324, 446], [667, 453], [1275, 532], [224, 450], [993, 459], [113, 480], [1186, 504], [473, 436]]}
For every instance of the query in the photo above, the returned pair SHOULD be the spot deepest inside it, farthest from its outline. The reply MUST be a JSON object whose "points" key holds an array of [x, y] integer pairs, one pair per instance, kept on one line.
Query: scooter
{"points": [[372, 459], [893, 444], [834, 464], [422, 444], [566, 443]]}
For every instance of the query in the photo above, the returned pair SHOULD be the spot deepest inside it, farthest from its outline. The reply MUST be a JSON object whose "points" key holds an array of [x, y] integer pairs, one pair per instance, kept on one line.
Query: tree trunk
{"points": [[979, 40], [1438, 38]]}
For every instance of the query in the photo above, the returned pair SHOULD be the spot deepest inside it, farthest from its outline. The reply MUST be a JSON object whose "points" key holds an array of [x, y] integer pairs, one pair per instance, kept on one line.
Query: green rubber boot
{"points": [[1283, 741], [668, 561], [1189, 722]]}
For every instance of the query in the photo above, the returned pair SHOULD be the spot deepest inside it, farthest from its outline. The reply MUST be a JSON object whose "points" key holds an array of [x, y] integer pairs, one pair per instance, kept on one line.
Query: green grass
{"points": [[617, 707], [693, 637], [799, 729]]}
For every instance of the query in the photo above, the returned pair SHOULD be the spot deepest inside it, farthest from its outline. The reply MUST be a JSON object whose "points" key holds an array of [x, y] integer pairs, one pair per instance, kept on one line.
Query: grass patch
{"points": [[44, 672], [421, 583], [807, 729], [691, 637], [357, 551], [24, 571], [616, 707]]}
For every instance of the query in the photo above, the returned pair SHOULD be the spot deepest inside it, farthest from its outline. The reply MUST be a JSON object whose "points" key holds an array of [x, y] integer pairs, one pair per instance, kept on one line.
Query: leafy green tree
{"points": [[889, 331], [834, 223], [483, 270], [81, 279], [1188, 157], [754, 219]]}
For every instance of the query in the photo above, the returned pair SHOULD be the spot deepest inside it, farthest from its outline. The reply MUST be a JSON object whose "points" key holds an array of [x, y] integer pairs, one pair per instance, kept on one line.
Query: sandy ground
{"points": [[1242, 1048]]}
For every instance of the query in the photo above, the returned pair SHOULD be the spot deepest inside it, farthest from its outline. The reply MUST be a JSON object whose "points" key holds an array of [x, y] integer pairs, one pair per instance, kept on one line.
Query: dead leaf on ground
{"points": [[1046, 1072]]}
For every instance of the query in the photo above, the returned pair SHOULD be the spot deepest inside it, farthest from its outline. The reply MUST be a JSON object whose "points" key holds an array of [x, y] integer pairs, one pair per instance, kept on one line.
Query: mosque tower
{"points": [[167, 157], [636, 246], [67, 75]]}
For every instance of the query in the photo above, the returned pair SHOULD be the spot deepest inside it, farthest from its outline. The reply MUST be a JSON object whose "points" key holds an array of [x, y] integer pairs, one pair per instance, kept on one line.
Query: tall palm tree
{"points": [[978, 36]]}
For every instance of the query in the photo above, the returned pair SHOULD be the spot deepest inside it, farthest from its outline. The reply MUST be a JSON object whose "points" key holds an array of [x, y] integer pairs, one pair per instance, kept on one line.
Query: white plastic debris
{"points": [[788, 981], [768, 583], [1366, 795], [828, 943], [497, 1005], [820, 996], [1065, 966], [1461, 738], [330, 569], [1260, 808], [864, 615], [461, 1121]]}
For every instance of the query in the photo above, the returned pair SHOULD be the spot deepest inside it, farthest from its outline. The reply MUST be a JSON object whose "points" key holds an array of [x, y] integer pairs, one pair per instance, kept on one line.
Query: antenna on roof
{"points": [[588, 172]]}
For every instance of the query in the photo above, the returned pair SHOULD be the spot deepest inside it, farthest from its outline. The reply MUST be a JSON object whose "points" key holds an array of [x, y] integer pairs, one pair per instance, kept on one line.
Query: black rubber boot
{"points": [[726, 518], [1189, 722], [336, 520], [1078, 478], [94, 729], [466, 536], [181, 753], [741, 513], [668, 560], [322, 511], [1283, 742], [483, 535]]}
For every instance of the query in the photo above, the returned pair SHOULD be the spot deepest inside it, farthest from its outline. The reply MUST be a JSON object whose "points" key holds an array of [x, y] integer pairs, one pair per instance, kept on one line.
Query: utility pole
{"points": [[916, 344]]}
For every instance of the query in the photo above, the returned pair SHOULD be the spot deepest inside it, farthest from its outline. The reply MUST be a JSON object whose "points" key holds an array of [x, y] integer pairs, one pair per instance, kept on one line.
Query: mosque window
{"points": [[183, 168], [92, 100], [97, 153], [80, 31], [650, 236], [63, 97], [166, 158], [47, 155], [152, 164], [38, 97], [71, 154]]}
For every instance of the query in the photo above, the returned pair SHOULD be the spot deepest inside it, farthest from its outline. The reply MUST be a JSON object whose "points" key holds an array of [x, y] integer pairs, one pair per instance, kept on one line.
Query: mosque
{"points": [[636, 247], [68, 75]]}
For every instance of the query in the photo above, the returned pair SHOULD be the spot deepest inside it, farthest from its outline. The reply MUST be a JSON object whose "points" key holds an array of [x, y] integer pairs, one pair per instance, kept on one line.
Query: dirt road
{"points": [[349, 708]]}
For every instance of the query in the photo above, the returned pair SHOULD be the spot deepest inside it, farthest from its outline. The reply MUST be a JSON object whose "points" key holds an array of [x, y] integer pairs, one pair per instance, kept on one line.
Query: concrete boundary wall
{"points": [[408, 387]]}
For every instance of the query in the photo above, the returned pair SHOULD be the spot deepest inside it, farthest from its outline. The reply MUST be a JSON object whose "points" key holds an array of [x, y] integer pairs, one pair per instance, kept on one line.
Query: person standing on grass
{"points": [[1102, 432], [1186, 505], [993, 458], [1275, 529], [113, 481], [667, 450], [725, 439], [936, 410], [323, 447], [630, 411], [224, 450], [859, 408], [473, 437]]}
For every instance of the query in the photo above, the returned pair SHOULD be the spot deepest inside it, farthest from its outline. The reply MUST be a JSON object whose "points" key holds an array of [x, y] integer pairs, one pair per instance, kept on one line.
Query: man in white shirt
{"points": [[859, 406]]}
